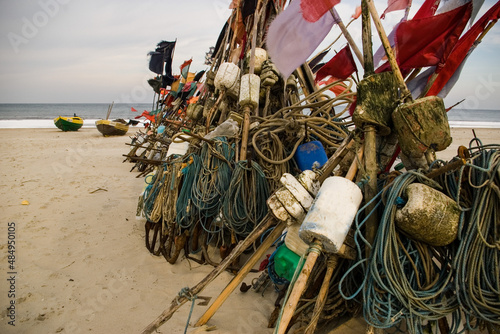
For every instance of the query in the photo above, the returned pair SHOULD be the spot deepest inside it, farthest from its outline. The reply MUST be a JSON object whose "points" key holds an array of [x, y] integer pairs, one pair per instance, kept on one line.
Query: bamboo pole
{"points": [[298, 288]]}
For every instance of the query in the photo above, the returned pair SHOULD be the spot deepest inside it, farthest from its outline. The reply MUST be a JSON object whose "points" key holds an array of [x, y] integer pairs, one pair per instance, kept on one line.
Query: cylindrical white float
{"points": [[249, 90], [332, 213], [228, 78]]}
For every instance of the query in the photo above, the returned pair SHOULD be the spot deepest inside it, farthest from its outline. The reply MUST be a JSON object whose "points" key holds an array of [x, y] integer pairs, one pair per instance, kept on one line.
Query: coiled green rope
{"points": [[245, 202]]}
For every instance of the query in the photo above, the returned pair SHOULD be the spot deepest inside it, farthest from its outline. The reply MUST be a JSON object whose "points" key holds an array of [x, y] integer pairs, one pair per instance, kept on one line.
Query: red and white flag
{"points": [[292, 38]]}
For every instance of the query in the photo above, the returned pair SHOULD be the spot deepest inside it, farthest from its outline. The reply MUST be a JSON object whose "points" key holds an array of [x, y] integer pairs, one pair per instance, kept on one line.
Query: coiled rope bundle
{"points": [[403, 279], [153, 196], [410, 280], [276, 139], [214, 177], [245, 201], [186, 212], [476, 263]]}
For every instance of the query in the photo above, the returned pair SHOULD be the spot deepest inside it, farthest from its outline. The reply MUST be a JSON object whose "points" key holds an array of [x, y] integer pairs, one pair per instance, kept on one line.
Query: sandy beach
{"points": [[80, 264]]}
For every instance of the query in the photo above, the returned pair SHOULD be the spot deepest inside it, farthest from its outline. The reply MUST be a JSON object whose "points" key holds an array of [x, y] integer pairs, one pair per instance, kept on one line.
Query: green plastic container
{"points": [[285, 262]]}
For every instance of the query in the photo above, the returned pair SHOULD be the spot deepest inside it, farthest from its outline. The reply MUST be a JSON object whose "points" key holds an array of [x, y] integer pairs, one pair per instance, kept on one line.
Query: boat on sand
{"points": [[68, 123]]}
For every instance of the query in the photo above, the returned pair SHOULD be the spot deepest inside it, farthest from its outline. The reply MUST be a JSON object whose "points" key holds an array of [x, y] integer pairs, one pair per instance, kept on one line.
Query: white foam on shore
{"points": [[39, 124], [474, 125], [90, 123]]}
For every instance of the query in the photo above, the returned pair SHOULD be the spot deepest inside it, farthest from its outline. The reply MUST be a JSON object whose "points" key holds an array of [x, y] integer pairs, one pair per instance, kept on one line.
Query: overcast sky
{"points": [[86, 51]]}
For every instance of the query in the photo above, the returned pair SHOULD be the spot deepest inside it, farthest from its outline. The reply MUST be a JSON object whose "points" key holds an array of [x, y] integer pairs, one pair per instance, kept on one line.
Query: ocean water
{"points": [[34, 115]]}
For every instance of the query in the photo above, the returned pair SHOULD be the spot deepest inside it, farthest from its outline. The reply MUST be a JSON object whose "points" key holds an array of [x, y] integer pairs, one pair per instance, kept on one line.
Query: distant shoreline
{"points": [[90, 123]]}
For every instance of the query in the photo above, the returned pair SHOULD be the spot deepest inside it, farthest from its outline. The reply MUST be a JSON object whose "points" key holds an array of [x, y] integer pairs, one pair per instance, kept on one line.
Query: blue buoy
{"points": [[309, 155]]}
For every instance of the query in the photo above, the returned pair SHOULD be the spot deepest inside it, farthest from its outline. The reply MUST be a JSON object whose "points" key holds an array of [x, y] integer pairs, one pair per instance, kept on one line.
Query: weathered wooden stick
{"points": [[299, 286], [351, 173], [177, 302], [347, 35], [371, 187], [246, 129], [235, 282], [323, 292], [388, 51], [335, 159], [247, 109]]}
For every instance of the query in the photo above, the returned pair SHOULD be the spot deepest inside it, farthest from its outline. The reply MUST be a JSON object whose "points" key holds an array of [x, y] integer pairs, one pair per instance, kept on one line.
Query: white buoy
{"points": [[249, 90], [228, 78], [332, 213]]}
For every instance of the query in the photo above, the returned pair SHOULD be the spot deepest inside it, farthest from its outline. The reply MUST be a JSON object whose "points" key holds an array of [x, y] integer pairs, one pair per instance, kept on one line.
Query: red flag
{"points": [[133, 109], [425, 42], [291, 39], [461, 49], [313, 10], [146, 114], [427, 9], [341, 66], [393, 5]]}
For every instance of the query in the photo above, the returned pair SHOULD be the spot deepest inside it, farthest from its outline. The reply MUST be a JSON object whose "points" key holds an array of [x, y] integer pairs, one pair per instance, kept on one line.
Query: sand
{"points": [[80, 262]]}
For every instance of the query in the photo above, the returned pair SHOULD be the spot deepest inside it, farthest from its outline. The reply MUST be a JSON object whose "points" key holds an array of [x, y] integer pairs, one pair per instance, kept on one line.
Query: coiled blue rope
{"points": [[186, 211]]}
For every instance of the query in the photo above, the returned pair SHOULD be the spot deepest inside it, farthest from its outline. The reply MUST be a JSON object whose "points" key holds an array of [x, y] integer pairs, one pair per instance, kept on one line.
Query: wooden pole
{"points": [[347, 35], [388, 51], [299, 286], [323, 292], [247, 109], [235, 282], [335, 159], [244, 135], [371, 187]]}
